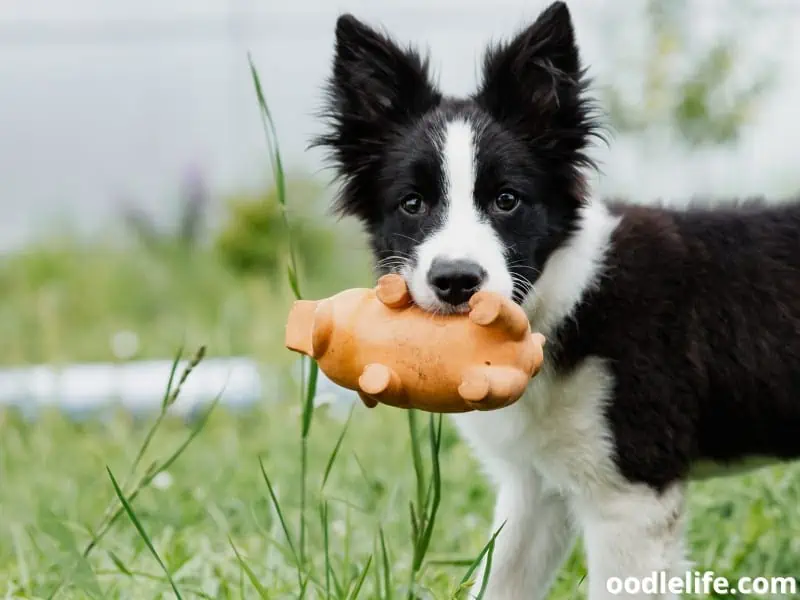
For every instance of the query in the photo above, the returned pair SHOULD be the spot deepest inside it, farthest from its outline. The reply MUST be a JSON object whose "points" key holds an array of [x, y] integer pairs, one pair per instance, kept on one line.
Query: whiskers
{"points": [[520, 265], [407, 237], [522, 287], [396, 263]]}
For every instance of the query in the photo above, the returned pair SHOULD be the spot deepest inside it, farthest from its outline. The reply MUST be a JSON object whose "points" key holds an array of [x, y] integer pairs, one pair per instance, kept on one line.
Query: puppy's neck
{"points": [[572, 269]]}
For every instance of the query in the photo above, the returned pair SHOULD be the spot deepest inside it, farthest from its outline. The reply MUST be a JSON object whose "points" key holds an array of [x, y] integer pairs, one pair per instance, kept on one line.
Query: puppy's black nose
{"points": [[454, 281]]}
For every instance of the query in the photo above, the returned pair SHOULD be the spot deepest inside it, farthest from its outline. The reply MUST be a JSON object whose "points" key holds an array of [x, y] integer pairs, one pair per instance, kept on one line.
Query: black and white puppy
{"points": [[674, 336]]}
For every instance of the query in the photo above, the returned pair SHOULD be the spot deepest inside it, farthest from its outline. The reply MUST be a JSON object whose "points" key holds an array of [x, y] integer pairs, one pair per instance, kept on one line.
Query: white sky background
{"points": [[107, 100]]}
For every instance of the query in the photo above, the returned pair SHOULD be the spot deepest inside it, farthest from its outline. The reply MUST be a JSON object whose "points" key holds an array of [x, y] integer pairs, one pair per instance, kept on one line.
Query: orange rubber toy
{"points": [[378, 343]]}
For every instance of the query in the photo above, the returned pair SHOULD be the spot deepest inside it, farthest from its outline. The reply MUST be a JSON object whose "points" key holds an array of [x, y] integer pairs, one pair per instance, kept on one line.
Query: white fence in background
{"points": [[139, 386], [104, 101]]}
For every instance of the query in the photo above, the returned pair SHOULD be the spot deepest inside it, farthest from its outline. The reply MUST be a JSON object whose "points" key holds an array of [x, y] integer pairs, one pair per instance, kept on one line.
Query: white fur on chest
{"points": [[557, 428]]}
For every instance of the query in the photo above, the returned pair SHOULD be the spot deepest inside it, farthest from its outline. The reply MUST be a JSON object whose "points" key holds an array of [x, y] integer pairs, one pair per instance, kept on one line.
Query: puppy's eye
{"points": [[506, 201], [412, 204]]}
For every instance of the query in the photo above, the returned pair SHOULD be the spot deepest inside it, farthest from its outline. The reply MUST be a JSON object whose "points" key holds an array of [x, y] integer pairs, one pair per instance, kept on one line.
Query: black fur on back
{"points": [[698, 315]]}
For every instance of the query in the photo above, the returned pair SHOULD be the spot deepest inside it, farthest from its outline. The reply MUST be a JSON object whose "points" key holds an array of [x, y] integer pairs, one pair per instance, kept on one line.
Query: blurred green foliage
{"points": [[189, 280], [254, 242], [691, 88], [65, 299]]}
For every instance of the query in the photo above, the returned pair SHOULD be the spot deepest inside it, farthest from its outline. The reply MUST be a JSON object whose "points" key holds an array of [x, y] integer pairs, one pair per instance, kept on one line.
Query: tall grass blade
{"points": [[262, 592], [307, 414], [173, 369], [416, 457], [348, 529], [414, 523], [119, 564], [193, 362], [377, 586], [279, 512], [436, 487], [486, 571], [151, 474], [335, 452], [310, 394], [486, 548], [323, 517], [424, 518], [291, 275], [303, 587], [302, 515], [273, 147], [387, 570], [340, 593], [165, 402], [360, 583], [170, 396], [196, 430], [110, 518], [134, 519], [270, 133]]}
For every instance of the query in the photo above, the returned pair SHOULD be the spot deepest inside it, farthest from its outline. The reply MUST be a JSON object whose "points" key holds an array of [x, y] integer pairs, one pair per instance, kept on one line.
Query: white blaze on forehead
{"points": [[458, 164], [464, 232]]}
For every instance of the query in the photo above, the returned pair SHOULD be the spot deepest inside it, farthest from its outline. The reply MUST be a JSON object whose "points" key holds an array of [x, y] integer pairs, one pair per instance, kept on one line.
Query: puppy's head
{"points": [[460, 194]]}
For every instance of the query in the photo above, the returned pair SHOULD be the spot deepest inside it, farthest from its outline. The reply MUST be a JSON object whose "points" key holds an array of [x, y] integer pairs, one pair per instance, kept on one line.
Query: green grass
{"points": [[284, 501], [213, 502]]}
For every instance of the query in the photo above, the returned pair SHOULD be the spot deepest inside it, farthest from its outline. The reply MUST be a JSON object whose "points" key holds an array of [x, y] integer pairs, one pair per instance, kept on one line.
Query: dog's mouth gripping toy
{"points": [[380, 344]]}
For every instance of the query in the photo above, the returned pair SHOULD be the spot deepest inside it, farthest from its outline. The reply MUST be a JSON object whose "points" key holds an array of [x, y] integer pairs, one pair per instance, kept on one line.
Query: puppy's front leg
{"points": [[533, 542], [635, 534]]}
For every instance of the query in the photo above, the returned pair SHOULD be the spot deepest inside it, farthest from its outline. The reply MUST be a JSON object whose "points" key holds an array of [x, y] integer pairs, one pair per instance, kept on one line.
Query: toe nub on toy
{"points": [[380, 344]]}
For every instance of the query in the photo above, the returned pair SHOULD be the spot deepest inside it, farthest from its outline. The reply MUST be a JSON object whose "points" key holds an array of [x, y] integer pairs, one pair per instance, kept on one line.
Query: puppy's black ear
{"points": [[536, 84], [375, 88], [374, 80]]}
